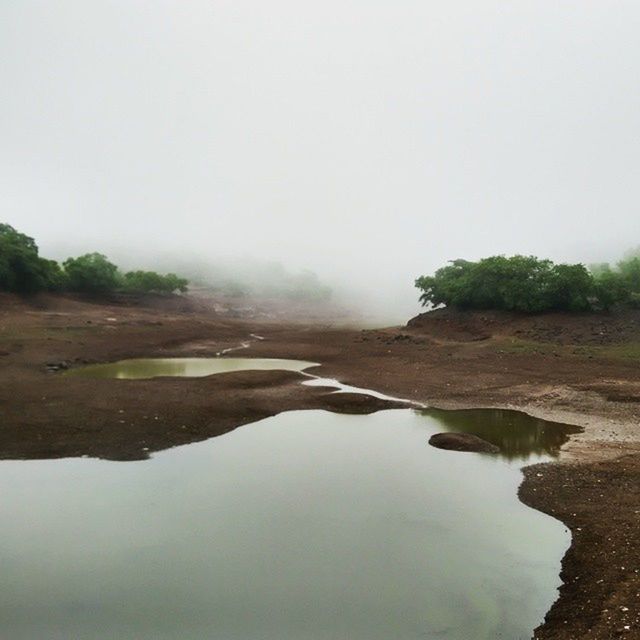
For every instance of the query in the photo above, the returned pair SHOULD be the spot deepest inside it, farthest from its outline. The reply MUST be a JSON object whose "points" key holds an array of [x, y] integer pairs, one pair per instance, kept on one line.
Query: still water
{"points": [[518, 435], [184, 367], [304, 526]]}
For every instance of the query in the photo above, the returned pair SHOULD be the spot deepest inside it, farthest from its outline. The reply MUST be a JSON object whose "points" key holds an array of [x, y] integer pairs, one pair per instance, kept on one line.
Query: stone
{"points": [[462, 442]]}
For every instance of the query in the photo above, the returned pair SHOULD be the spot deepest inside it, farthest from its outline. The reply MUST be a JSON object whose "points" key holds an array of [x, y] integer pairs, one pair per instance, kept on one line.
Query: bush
{"points": [[629, 271], [618, 285], [518, 283], [91, 273], [611, 289], [22, 270], [150, 281]]}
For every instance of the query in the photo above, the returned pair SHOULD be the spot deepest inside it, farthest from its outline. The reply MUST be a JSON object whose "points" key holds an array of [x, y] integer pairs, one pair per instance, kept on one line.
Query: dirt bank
{"points": [[48, 415], [582, 370], [600, 597]]}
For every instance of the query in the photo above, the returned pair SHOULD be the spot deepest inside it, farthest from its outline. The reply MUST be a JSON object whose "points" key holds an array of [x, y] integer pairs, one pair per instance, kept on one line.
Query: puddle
{"points": [[304, 526], [143, 368]]}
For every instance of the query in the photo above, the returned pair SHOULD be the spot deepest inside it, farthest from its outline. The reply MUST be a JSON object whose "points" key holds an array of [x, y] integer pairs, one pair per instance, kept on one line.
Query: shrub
{"points": [[22, 270], [518, 283], [91, 273], [150, 281]]}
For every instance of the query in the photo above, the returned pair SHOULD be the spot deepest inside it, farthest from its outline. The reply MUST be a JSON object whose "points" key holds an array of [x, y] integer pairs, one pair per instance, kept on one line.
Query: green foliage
{"points": [[611, 288], [150, 281], [91, 273], [56, 276], [22, 270], [629, 270], [570, 288], [518, 283], [619, 284], [531, 285], [599, 268]]}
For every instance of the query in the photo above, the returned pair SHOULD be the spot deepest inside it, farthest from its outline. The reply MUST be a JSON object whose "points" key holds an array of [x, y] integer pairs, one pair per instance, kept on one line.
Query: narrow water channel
{"points": [[305, 526]]}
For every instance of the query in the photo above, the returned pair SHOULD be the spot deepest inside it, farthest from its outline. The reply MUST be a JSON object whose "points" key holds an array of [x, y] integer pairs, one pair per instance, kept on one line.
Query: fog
{"points": [[368, 140]]}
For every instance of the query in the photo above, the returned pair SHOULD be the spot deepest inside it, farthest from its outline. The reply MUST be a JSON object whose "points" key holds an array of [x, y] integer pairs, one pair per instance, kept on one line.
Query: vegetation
{"points": [[22, 270], [149, 281], [619, 284], [91, 273], [531, 285], [250, 277]]}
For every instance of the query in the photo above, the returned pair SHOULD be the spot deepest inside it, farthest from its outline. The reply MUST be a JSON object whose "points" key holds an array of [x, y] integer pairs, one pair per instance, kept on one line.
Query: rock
{"points": [[462, 442], [57, 366]]}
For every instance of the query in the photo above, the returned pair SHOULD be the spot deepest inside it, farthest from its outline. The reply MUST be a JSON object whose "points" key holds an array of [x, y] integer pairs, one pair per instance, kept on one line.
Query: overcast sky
{"points": [[376, 138]]}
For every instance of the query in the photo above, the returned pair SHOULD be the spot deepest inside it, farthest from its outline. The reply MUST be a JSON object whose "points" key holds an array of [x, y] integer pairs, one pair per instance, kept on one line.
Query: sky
{"points": [[368, 140]]}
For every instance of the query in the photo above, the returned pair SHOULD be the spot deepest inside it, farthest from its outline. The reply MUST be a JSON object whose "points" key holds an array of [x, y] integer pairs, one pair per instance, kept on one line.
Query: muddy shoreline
{"points": [[593, 489]]}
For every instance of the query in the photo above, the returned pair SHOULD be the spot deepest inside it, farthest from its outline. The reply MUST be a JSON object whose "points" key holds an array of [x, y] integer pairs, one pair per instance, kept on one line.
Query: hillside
{"points": [[557, 328]]}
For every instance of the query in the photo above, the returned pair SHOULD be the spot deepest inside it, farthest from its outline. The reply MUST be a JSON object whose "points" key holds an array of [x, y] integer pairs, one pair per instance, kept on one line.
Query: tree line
{"points": [[532, 285], [23, 270]]}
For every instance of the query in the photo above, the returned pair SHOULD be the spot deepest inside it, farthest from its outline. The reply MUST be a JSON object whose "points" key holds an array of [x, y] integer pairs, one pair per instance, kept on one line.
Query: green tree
{"points": [[22, 270], [630, 271], [599, 268], [611, 289], [91, 273], [150, 281], [173, 283], [570, 288], [518, 283]]}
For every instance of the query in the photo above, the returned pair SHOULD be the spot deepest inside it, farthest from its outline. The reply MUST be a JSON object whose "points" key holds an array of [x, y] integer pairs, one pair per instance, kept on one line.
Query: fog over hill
{"points": [[368, 141]]}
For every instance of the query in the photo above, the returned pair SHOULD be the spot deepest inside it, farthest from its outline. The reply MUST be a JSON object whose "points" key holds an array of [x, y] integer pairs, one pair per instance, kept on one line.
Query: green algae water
{"points": [[141, 368], [518, 435], [305, 526]]}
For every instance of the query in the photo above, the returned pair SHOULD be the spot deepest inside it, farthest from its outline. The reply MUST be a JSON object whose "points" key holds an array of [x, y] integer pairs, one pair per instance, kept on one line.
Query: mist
{"points": [[369, 141]]}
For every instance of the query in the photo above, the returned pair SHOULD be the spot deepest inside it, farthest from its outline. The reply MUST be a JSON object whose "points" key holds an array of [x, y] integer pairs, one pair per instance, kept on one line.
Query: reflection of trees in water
{"points": [[517, 434]]}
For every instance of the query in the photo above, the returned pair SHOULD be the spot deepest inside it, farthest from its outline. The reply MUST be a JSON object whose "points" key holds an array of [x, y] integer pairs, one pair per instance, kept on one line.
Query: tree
{"points": [[570, 288], [518, 283], [150, 281], [173, 283], [449, 286], [611, 289], [630, 271], [91, 273], [22, 270]]}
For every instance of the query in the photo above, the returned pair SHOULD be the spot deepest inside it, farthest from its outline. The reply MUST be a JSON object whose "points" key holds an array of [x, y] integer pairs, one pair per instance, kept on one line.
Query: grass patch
{"points": [[629, 351], [626, 351], [529, 347]]}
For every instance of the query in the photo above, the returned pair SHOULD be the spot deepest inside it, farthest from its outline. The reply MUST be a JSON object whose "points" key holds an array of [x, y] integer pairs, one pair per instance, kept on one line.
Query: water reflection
{"points": [[305, 526], [518, 435], [142, 368]]}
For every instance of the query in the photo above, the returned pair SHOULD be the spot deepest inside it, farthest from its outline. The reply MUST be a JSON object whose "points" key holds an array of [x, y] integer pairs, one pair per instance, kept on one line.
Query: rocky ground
{"points": [[581, 370]]}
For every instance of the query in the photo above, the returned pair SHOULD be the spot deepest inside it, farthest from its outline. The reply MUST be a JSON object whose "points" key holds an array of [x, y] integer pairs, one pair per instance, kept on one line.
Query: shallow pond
{"points": [[305, 526], [518, 435], [184, 367]]}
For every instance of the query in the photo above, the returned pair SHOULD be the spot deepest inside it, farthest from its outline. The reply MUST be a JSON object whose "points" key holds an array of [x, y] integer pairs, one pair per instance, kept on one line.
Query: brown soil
{"points": [[577, 369], [600, 597]]}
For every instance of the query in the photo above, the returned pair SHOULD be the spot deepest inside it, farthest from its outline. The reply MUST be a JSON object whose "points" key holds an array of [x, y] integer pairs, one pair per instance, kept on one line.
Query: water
{"points": [[184, 367], [518, 435], [304, 526], [144, 368]]}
